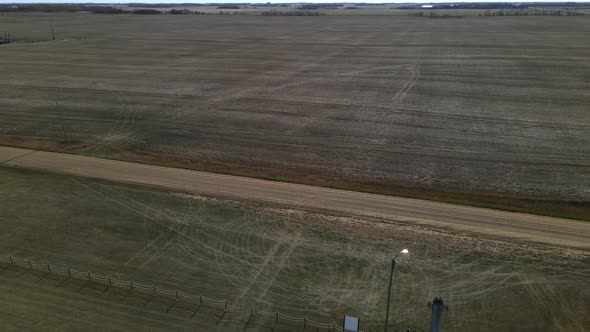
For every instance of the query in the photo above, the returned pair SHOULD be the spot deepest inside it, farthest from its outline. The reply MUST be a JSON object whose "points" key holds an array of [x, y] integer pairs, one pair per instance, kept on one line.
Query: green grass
{"points": [[301, 263]]}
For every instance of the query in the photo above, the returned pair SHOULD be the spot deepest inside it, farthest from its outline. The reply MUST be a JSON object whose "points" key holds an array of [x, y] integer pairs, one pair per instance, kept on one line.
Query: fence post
{"points": [[110, 282], [89, 277], [177, 297], [131, 283], [334, 325], [69, 274], [250, 318], [154, 290], [304, 323], [30, 265], [225, 305], [49, 268], [201, 299], [11, 261]]}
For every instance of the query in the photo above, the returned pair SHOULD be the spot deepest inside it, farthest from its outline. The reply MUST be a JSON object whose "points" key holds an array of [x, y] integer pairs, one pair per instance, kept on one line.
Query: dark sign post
{"points": [[392, 272], [438, 306]]}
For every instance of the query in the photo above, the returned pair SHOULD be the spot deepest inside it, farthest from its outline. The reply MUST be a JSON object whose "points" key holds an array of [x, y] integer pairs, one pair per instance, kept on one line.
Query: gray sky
{"points": [[234, 1]]}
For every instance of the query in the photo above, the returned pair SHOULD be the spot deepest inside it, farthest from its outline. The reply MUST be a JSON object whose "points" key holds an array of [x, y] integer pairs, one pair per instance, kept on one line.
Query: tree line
{"points": [[503, 12], [50, 8], [275, 12]]}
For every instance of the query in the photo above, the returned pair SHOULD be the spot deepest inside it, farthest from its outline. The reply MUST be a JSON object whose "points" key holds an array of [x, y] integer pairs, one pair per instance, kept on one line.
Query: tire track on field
{"points": [[122, 132], [162, 220], [292, 77], [401, 94]]}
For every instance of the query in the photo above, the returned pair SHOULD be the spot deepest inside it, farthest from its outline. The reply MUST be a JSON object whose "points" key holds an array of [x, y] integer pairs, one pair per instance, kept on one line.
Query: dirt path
{"points": [[486, 221]]}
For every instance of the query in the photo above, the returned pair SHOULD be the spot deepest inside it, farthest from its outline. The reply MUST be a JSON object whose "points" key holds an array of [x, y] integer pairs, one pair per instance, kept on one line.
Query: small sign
{"points": [[351, 324]]}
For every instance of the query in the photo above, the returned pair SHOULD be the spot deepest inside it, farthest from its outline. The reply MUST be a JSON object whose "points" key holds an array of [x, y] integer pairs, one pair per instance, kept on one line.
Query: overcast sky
{"points": [[234, 1]]}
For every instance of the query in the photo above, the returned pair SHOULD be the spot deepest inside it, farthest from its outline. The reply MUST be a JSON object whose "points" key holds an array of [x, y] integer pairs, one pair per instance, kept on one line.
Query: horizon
{"points": [[276, 2]]}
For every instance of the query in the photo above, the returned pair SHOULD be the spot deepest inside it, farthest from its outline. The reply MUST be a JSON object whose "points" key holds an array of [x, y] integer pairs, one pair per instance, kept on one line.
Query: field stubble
{"points": [[478, 105]]}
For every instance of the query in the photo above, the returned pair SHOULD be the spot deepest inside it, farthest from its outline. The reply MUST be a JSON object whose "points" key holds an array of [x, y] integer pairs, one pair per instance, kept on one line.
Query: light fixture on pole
{"points": [[392, 272]]}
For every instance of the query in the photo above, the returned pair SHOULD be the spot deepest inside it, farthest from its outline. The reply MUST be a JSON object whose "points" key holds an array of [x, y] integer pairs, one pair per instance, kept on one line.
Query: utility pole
{"points": [[391, 274], [438, 306], [393, 262]]}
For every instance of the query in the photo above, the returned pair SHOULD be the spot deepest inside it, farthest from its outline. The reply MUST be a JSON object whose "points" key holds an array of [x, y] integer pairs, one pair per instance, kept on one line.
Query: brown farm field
{"points": [[480, 110], [301, 262]]}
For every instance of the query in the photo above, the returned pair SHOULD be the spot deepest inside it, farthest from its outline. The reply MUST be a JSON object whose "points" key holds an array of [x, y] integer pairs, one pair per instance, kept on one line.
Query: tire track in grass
{"points": [[194, 247], [245, 239], [573, 318], [541, 290], [166, 235], [243, 260], [180, 229], [292, 244], [157, 214], [133, 209]]}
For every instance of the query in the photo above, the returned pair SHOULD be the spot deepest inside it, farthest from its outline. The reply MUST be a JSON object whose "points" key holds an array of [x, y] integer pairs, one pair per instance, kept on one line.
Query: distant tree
{"points": [[107, 10], [146, 11], [275, 12], [317, 6], [181, 12]]}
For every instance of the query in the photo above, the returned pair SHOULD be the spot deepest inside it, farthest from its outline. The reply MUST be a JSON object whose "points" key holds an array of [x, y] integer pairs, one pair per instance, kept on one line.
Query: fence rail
{"points": [[109, 281], [175, 294], [305, 323]]}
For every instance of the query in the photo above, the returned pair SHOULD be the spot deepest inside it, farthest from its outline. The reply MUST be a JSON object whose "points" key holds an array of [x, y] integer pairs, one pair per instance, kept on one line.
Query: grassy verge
{"points": [[562, 208], [303, 264]]}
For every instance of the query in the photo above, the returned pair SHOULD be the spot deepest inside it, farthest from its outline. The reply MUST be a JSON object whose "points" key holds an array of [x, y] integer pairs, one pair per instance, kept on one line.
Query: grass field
{"points": [[486, 107], [303, 263]]}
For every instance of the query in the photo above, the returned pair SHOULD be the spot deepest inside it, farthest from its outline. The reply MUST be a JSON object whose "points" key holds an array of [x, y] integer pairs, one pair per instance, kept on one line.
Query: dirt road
{"points": [[492, 105], [461, 218]]}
